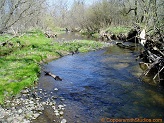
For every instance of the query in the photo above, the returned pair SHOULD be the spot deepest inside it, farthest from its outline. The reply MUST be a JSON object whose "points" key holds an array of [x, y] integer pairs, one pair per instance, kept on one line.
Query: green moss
{"points": [[19, 64]]}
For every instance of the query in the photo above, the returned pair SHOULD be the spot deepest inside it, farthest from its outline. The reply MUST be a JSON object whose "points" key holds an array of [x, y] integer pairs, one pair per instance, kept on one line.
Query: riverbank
{"points": [[21, 58], [107, 32], [151, 51], [28, 106]]}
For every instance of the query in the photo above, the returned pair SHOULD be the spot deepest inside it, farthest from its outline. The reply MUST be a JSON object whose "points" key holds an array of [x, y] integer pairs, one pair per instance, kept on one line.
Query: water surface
{"points": [[69, 36], [102, 84]]}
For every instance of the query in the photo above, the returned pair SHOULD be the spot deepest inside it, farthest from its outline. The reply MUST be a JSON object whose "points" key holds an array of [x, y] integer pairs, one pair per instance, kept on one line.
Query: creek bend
{"points": [[101, 84]]}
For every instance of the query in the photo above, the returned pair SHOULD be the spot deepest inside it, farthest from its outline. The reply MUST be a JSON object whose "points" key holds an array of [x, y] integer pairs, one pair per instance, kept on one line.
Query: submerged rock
{"points": [[55, 89], [63, 121], [61, 112], [60, 107], [57, 114]]}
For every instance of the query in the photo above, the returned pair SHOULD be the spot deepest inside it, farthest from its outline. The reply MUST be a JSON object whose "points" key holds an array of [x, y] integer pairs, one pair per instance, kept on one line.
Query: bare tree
{"points": [[60, 11], [14, 12], [103, 13]]}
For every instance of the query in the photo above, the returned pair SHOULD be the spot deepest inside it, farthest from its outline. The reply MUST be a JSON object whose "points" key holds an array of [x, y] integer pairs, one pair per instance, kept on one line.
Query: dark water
{"points": [[103, 84]]}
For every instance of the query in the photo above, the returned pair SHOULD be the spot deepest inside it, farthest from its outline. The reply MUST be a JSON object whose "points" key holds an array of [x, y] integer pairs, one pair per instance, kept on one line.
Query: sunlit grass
{"points": [[96, 35], [118, 29], [58, 30]]}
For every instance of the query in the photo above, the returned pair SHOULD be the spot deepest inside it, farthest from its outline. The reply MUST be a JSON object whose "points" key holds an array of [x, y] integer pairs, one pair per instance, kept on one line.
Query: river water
{"points": [[102, 84]]}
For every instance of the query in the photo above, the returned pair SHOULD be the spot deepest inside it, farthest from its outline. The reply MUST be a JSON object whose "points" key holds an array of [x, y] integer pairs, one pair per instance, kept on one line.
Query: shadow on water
{"points": [[102, 84]]}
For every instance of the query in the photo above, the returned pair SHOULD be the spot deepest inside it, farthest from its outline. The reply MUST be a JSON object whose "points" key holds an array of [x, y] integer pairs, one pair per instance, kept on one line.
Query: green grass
{"points": [[20, 65], [58, 30], [82, 45], [4, 38], [96, 35], [117, 30]]}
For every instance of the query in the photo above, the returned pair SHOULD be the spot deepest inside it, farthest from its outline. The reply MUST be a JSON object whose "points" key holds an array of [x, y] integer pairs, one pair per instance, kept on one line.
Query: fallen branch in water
{"points": [[150, 67], [53, 76], [158, 74], [121, 45]]}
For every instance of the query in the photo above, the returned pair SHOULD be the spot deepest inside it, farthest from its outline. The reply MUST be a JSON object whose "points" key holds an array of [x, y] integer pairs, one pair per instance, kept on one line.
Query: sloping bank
{"points": [[20, 59]]}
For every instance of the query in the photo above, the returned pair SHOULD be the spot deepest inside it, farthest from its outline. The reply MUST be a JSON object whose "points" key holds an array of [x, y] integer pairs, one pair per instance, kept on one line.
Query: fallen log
{"points": [[150, 67], [158, 74], [121, 45], [53, 76], [153, 57], [155, 48]]}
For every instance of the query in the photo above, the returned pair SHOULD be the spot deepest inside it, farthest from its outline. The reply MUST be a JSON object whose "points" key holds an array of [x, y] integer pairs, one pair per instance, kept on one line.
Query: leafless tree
{"points": [[16, 14]]}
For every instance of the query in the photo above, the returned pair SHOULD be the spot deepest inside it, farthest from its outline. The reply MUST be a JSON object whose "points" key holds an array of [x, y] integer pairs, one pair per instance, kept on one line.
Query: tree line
{"points": [[21, 15], [103, 13]]}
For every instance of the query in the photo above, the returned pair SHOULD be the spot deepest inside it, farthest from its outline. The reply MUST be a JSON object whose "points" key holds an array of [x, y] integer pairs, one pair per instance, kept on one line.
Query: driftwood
{"points": [[150, 67], [155, 48], [121, 45], [48, 35], [53, 76], [121, 37], [105, 35], [158, 74], [144, 66], [153, 56]]}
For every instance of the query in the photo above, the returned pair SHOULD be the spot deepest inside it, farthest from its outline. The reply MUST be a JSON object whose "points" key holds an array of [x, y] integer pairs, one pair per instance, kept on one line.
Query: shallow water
{"points": [[73, 36], [102, 84]]}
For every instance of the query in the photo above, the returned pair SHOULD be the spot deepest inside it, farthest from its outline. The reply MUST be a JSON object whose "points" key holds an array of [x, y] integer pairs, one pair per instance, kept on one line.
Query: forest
{"points": [[21, 15]]}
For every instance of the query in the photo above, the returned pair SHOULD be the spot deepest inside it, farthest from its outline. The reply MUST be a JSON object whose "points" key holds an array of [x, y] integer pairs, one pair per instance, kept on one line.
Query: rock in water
{"points": [[55, 89], [61, 112], [64, 121]]}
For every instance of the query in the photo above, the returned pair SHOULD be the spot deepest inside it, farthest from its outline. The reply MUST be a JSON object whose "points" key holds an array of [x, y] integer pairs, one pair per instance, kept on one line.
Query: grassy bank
{"points": [[118, 29], [58, 30], [20, 62], [111, 29]]}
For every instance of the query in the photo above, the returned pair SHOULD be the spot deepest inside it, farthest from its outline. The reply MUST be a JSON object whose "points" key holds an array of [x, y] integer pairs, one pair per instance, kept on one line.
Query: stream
{"points": [[101, 84]]}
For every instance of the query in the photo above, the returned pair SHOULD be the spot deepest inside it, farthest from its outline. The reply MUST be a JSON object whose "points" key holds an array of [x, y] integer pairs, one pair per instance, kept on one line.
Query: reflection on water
{"points": [[72, 36], [103, 84]]}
